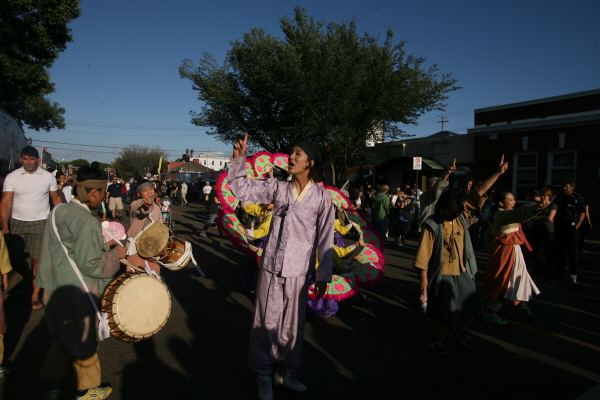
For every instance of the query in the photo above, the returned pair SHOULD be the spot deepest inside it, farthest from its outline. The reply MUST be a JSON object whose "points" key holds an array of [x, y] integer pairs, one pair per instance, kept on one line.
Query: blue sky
{"points": [[119, 83]]}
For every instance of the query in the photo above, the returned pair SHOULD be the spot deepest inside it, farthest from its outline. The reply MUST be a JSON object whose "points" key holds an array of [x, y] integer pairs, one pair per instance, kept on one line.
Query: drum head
{"points": [[152, 240], [141, 306]]}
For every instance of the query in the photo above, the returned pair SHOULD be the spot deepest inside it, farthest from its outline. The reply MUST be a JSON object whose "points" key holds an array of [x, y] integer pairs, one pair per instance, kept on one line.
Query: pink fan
{"points": [[113, 231]]}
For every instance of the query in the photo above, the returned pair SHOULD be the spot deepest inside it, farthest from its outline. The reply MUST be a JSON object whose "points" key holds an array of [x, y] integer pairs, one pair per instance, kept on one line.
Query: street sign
{"points": [[418, 163]]}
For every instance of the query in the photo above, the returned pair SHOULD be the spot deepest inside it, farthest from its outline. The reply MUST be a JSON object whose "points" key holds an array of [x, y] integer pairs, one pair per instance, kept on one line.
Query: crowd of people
{"points": [[292, 221]]}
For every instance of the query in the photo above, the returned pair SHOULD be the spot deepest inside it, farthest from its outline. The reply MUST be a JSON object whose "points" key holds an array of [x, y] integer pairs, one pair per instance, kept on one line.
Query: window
{"points": [[561, 166], [525, 174]]}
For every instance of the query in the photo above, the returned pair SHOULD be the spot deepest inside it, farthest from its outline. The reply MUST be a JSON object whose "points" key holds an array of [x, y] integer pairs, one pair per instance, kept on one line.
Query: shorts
{"points": [[26, 238], [115, 203]]}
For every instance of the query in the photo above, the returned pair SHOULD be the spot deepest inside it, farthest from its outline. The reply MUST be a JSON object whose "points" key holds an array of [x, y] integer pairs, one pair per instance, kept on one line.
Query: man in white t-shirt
{"points": [[206, 191], [184, 189], [24, 210]]}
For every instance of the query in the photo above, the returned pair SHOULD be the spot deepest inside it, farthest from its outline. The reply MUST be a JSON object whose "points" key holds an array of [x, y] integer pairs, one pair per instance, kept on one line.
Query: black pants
{"points": [[543, 252], [566, 240]]}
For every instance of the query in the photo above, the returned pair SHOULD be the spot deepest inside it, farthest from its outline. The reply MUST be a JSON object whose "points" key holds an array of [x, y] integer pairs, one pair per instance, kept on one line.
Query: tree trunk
{"points": [[332, 174]]}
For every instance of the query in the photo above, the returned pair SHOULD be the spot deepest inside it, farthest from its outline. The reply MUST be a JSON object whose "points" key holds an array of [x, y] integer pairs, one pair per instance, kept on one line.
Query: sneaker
{"points": [[437, 346], [290, 382], [573, 278], [462, 338], [97, 393], [494, 319], [202, 234], [264, 386], [526, 311], [423, 308], [4, 370]]}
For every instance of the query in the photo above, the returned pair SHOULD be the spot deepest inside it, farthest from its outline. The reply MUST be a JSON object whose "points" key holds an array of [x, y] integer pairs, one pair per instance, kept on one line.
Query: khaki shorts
{"points": [[115, 203]]}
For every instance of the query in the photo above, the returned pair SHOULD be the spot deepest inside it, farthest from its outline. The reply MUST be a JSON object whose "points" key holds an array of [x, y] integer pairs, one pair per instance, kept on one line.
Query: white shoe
{"points": [[290, 382], [264, 386]]}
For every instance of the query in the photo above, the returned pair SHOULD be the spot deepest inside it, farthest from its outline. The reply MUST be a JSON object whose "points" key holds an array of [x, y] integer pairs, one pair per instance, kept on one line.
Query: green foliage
{"points": [[32, 34], [321, 83], [80, 162], [137, 161]]}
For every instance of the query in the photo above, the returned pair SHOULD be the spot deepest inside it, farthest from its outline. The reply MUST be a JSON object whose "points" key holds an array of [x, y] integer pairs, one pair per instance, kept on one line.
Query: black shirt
{"points": [[114, 189], [213, 207], [570, 206]]}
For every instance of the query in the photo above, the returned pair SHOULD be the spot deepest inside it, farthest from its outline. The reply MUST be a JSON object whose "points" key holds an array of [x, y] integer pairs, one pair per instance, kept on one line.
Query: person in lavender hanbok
{"points": [[300, 233]]}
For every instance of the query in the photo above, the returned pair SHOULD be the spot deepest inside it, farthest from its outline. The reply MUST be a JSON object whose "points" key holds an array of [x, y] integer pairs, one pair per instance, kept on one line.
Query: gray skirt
{"points": [[457, 293]]}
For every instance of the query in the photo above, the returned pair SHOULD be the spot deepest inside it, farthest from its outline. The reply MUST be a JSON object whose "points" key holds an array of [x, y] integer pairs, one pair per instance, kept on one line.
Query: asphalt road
{"points": [[374, 348]]}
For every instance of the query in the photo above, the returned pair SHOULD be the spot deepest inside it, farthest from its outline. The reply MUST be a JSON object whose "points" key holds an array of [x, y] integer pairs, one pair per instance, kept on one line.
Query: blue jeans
{"points": [[381, 226], [211, 220]]}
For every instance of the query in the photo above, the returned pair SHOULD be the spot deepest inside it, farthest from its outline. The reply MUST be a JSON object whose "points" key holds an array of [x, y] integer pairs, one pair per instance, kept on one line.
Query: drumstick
{"points": [[138, 269]]}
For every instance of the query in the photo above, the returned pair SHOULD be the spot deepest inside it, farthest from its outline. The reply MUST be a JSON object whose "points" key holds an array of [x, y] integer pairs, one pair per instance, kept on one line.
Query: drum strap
{"points": [[103, 328]]}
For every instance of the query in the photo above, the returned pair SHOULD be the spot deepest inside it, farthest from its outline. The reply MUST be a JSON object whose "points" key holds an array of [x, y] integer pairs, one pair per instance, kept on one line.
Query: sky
{"points": [[119, 82]]}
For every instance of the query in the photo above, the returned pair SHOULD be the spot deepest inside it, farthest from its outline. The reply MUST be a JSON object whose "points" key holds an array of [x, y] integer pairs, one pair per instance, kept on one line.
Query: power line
{"points": [[122, 147]]}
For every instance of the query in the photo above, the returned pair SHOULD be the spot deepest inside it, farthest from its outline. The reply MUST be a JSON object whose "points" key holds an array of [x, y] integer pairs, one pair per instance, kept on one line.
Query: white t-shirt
{"points": [[206, 189], [31, 201], [184, 187], [68, 192]]}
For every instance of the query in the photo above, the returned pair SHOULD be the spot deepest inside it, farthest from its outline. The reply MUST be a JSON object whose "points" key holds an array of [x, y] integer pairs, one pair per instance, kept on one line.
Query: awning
{"points": [[432, 164]]}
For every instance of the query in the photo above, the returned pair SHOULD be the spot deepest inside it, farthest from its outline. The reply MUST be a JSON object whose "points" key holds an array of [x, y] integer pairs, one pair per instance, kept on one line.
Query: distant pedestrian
{"points": [[570, 214], [113, 198], [183, 191], [24, 210], [206, 192], [213, 211]]}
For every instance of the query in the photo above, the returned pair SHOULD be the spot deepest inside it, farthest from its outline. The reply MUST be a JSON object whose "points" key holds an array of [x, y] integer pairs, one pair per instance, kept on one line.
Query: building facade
{"points": [[545, 141]]}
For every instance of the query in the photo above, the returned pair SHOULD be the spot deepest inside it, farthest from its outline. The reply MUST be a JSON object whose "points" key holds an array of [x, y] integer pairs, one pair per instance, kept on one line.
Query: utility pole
{"points": [[444, 119]]}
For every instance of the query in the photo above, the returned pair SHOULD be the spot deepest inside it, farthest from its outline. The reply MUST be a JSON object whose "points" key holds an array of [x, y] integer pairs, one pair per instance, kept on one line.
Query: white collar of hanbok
{"points": [[300, 196], [76, 201]]}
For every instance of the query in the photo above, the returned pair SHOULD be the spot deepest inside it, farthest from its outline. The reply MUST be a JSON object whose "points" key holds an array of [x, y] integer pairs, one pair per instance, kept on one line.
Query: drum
{"points": [[138, 305], [176, 255], [152, 240]]}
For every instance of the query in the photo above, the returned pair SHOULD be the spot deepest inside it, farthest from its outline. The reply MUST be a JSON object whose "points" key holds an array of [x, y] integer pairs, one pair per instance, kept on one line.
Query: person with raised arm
{"points": [[301, 233], [446, 265]]}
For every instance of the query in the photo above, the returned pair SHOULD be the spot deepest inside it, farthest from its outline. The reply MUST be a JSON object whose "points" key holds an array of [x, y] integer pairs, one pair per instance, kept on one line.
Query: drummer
{"points": [[70, 315], [143, 211]]}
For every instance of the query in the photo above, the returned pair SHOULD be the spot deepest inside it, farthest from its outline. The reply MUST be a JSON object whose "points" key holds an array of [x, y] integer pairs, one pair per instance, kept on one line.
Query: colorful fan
{"points": [[342, 288], [260, 161], [370, 267], [225, 195], [339, 199], [280, 160], [367, 233], [231, 225], [113, 231], [249, 170]]}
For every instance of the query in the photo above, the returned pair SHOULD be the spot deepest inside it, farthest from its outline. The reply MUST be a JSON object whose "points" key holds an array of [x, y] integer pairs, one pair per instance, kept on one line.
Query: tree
{"points": [[32, 34], [324, 84], [137, 160]]}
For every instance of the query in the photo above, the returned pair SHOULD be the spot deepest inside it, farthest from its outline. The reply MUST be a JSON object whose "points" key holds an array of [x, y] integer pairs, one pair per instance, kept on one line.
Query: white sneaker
{"points": [[290, 382], [265, 387]]}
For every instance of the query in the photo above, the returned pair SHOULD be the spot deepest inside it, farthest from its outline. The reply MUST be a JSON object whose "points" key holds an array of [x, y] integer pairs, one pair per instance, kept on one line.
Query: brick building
{"points": [[545, 141]]}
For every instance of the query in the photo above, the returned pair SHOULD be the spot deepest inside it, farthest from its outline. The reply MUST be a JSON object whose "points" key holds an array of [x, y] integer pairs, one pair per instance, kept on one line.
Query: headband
{"points": [[311, 150], [90, 184], [143, 186]]}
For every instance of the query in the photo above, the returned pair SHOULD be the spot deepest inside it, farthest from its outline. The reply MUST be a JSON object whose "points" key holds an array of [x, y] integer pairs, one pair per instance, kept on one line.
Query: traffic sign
{"points": [[417, 163]]}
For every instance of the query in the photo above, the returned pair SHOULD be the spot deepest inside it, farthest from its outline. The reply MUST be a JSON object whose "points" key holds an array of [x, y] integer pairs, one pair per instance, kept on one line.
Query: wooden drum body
{"points": [[138, 306]]}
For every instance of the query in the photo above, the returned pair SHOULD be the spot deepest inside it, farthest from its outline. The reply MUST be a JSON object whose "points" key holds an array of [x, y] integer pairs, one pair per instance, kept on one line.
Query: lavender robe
{"points": [[301, 230]]}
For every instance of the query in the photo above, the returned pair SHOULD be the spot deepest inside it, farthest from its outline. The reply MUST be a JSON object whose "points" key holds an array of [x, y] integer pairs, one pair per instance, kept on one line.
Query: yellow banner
{"points": [[159, 165]]}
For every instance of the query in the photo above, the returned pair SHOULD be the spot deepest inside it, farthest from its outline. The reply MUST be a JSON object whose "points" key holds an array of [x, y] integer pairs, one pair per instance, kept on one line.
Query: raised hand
{"points": [[503, 166], [452, 167], [239, 148]]}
